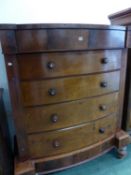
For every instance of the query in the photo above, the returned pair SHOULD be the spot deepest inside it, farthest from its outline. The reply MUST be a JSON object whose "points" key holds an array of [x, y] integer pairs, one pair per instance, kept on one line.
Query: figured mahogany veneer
{"points": [[66, 84], [54, 117], [39, 66], [65, 89], [65, 141], [67, 39]]}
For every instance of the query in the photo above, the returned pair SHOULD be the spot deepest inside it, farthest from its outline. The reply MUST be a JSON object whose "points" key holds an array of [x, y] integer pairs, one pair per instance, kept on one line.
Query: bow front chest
{"points": [[66, 85]]}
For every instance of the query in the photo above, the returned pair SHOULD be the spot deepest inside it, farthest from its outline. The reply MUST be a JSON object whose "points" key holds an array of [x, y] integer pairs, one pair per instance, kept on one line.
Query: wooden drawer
{"points": [[63, 115], [64, 89], [68, 39], [38, 66], [65, 141]]}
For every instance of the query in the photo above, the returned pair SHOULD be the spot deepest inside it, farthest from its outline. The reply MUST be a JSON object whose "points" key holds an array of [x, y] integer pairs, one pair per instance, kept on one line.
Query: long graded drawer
{"points": [[38, 66], [68, 39], [64, 89], [69, 114], [64, 141]]}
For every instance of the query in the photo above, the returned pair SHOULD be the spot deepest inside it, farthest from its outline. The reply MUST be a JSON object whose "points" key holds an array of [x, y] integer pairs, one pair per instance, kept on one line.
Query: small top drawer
{"points": [[59, 37], [68, 39]]}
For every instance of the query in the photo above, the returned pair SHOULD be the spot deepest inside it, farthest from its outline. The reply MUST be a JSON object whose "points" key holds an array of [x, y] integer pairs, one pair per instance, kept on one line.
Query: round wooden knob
{"points": [[56, 144], [102, 130], [54, 118], [50, 65], [102, 107], [104, 60], [52, 92], [103, 84]]}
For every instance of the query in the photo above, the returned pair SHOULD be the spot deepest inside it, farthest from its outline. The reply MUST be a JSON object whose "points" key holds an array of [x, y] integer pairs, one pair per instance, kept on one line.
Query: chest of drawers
{"points": [[66, 85], [124, 18]]}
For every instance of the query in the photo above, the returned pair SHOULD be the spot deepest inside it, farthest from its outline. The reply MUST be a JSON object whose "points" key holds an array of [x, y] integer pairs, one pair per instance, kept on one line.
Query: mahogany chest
{"points": [[124, 18], [66, 85]]}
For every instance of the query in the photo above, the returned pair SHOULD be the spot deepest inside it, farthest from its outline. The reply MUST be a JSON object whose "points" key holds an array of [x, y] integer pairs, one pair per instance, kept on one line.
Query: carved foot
{"points": [[122, 139], [121, 142], [122, 152]]}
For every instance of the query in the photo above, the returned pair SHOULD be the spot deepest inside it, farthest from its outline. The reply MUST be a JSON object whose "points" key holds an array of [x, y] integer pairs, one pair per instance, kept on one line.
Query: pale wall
{"points": [[59, 11]]}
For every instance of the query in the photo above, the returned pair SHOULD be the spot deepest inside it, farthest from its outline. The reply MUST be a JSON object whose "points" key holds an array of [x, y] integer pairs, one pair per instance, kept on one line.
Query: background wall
{"points": [[57, 11]]}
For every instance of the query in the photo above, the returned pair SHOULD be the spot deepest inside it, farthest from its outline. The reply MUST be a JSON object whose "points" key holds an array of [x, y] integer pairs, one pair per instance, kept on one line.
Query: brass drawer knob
{"points": [[102, 107], [104, 60], [56, 144], [54, 118], [102, 130], [103, 84], [52, 92], [51, 65]]}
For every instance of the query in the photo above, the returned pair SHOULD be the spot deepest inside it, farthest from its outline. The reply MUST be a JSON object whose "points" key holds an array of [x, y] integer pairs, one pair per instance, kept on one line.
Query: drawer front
{"points": [[37, 66], [60, 142], [68, 39], [56, 39], [64, 89], [63, 115]]}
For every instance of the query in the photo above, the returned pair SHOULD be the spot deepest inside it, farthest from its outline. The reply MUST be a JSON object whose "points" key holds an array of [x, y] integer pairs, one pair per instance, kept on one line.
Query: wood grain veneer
{"points": [[66, 84]]}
